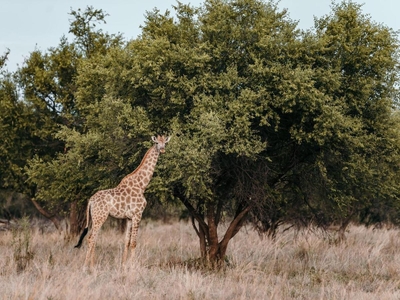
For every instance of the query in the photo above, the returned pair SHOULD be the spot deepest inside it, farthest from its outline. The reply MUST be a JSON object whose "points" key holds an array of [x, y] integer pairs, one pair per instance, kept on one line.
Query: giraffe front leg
{"points": [[127, 240], [133, 236]]}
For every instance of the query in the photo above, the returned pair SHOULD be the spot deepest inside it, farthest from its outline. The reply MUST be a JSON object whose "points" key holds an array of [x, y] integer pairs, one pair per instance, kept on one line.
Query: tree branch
{"points": [[191, 210], [235, 225], [51, 217]]}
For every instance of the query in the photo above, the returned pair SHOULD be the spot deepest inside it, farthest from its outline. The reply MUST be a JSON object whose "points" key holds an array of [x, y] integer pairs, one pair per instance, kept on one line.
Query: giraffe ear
{"points": [[154, 139], [167, 139]]}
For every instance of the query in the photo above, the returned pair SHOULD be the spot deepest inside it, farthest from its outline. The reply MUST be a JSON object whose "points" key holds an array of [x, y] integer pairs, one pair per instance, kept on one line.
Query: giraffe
{"points": [[126, 201]]}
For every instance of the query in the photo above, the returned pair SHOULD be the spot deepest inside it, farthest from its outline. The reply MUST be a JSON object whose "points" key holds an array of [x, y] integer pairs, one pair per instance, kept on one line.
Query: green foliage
{"points": [[18, 136], [298, 125], [355, 131], [96, 159]]}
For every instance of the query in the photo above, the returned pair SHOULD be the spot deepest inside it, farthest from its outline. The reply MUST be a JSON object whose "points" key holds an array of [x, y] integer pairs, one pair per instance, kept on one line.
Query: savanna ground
{"points": [[296, 265]]}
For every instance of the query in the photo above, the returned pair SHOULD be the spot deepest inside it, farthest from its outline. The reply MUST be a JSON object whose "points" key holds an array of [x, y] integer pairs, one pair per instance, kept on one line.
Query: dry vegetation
{"points": [[296, 265]]}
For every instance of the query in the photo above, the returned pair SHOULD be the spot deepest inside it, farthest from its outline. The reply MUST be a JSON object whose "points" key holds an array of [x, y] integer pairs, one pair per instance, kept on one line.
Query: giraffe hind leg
{"points": [[92, 239], [91, 245]]}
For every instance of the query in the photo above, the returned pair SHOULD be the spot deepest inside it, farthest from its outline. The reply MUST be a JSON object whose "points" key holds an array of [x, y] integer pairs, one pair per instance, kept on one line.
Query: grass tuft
{"points": [[21, 244]]}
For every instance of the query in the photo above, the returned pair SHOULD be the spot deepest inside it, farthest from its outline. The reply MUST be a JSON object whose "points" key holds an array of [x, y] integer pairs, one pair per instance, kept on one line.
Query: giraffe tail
{"points": [[85, 231]]}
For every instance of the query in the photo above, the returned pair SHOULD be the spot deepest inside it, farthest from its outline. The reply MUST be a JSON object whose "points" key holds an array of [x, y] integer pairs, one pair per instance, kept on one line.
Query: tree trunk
{"points": [[202, 231], [210, 247], [236, 224], [213, 234], [217, 250], [74, 228], [343, 226], [202, 238]]}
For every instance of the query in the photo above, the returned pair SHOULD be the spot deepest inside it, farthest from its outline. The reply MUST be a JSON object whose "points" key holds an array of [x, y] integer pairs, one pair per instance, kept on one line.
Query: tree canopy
{"points": [[271, 124]]}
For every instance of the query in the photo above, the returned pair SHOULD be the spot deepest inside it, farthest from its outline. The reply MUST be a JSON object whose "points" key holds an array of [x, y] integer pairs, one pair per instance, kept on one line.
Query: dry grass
{"points": [[294, 266]]}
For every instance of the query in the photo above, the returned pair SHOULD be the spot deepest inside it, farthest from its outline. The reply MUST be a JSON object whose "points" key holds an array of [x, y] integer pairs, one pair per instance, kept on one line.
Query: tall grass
{"points": [[296, 265]]}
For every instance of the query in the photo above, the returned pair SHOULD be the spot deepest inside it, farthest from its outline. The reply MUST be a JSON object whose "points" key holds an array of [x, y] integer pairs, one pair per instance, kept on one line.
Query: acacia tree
{"points": [[217, 75], [271, 121]]}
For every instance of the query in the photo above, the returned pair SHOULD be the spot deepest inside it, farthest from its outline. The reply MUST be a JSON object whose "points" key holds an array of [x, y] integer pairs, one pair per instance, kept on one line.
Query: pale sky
{"points": [[29, 24]]}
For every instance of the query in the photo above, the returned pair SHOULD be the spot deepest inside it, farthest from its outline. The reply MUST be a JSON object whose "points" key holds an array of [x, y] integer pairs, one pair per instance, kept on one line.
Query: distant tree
{"points": [[354, 131], [3, 59], [89, 39]]}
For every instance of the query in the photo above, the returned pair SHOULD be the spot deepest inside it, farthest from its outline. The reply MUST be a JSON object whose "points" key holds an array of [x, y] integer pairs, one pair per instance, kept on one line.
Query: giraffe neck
{"points": [[143, 173]]}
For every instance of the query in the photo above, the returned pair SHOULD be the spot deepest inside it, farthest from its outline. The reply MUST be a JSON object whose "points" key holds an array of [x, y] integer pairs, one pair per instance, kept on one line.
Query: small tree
{"points": [[49, 82], [205, 75]]}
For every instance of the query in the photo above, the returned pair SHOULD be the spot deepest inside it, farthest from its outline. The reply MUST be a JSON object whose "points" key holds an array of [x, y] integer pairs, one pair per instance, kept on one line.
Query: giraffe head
{"points": [[160, 142]]}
